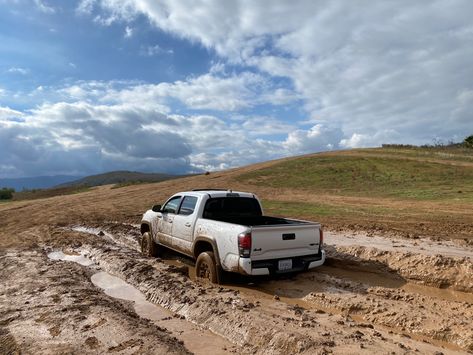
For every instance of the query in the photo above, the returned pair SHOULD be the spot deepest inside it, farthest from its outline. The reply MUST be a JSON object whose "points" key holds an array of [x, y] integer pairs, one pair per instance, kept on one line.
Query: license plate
{"points": [[285, 264]]}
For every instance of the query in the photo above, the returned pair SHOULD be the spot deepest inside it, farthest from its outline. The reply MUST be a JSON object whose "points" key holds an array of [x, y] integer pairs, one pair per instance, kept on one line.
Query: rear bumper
{"points": [[267, 267]]}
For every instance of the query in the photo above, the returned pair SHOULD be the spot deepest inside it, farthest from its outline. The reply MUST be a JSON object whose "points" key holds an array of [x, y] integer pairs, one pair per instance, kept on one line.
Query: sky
{"points": [[89, 86]]}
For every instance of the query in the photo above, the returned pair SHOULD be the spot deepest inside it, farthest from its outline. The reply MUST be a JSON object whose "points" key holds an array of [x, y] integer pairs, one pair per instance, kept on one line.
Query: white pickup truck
{"points": [[227, 231]]}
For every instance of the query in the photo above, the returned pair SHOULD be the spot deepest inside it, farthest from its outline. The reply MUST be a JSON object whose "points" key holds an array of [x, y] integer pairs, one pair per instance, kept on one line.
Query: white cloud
{"points": [[367, 68], [362, 140], [207, 91], [83, 137], [127, 134], [43, 7], [7, 113], [358, 73], [18, 70], [318, 138], [265, 126], [150, 51], [128, 32]]}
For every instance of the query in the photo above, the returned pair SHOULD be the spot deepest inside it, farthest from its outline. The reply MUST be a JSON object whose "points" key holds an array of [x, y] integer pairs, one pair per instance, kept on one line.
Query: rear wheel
{"points": [[148, 246], [206, 267]]}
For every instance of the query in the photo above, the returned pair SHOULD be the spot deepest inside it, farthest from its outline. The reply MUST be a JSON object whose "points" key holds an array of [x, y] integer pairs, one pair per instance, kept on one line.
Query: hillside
{"points": [[411, 191], [408, 191], [118, 177], [384, 173]]}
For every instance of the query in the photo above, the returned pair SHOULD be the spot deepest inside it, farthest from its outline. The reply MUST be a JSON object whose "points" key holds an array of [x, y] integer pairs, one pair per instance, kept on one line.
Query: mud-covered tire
{"points": [[206, 268], [148, 246]]}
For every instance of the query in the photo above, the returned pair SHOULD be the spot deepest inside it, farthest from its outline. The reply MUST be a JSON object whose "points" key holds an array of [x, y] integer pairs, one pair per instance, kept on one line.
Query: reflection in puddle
{"points": [[116, 287]]}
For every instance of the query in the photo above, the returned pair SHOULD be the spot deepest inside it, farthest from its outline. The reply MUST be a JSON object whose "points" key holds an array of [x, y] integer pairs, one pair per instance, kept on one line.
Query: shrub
{"points": [[468, 142], [6, 193]]}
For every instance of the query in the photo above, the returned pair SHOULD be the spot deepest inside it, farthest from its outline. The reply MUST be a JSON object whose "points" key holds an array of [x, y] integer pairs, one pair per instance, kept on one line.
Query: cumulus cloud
{"points": [[208, 91], [7, 113], [56, 137], [392, 65], [317, 138], [84, 135], [356, 74]]}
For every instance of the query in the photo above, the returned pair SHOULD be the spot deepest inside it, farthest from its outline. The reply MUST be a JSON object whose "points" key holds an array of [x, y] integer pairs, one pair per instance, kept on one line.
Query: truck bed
{"points": [[254, 221]]}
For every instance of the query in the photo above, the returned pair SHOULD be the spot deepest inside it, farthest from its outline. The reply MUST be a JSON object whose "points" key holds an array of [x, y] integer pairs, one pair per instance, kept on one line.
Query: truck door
{"points": [[183, 225], [168, 212]]}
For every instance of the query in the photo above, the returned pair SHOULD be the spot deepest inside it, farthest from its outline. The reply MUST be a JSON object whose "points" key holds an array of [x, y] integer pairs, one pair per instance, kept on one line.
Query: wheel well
{"points": [[202, 246], [144, 228]]}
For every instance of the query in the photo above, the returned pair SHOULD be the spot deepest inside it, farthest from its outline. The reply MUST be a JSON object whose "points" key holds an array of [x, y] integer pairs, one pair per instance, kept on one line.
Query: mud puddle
{"points": [[421, 246], [76, 258], [195, 339], [122, 239]]}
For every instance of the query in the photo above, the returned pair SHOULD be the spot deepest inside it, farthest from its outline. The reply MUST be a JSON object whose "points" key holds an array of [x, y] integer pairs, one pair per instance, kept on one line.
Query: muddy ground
{"points": [[376, 294]]}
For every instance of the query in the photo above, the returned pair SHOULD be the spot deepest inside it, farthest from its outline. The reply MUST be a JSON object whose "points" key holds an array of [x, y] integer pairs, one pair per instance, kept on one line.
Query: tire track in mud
{"points": [[51, 307], [8, 344], [192, 301]]}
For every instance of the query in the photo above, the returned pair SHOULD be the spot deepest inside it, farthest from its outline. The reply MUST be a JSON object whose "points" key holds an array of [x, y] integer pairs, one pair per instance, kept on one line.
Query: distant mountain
{"points": [[36, 182], [118, 177]]}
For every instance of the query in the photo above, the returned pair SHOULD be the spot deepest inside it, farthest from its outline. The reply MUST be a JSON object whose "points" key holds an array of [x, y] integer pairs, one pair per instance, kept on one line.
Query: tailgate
{"points": [[275, 242]]}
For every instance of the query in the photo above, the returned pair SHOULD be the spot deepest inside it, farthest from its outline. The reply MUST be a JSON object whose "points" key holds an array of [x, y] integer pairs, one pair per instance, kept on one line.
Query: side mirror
{"points": [[156, 208]]}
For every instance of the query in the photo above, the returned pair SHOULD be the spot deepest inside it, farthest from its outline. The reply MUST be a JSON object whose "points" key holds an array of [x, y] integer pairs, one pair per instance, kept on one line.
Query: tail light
{"points": [[244, 244], [321, 237]]}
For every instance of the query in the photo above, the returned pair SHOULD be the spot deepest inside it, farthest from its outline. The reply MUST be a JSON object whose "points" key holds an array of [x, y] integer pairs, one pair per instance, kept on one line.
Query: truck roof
{"points": [[216, 193]]}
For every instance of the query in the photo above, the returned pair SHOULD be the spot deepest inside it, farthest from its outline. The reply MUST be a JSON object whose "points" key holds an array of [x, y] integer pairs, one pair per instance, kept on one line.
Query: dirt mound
{"points": [[434, 270]]}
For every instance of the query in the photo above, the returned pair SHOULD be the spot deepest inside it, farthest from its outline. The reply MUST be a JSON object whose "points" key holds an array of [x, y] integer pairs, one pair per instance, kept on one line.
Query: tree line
{"points": [[6, 193]]}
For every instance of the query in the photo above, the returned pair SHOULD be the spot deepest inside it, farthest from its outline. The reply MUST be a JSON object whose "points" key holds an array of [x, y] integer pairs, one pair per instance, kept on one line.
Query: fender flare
{"points": [[212, 242]]}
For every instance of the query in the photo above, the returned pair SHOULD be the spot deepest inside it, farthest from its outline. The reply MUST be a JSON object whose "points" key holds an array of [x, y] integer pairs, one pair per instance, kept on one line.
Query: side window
{"points": [[172, 205], [188, 205]]}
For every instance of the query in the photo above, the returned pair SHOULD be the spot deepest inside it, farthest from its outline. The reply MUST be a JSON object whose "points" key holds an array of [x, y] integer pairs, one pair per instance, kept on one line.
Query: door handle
{"points": [[187, 224], [170, 221]]}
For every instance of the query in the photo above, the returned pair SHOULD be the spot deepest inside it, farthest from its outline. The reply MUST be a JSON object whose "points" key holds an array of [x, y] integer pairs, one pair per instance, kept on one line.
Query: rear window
{"points": [[231, 206]]}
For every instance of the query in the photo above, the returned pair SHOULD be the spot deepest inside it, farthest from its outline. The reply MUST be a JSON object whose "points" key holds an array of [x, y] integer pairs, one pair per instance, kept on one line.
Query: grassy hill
{"points": [[405, 190], [410, 190], [374, 173]]}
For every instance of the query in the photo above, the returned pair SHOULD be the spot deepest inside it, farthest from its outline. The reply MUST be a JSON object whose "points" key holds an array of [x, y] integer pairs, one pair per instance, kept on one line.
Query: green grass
{"points": [[311, 209], [459, 154], [368, 175]]}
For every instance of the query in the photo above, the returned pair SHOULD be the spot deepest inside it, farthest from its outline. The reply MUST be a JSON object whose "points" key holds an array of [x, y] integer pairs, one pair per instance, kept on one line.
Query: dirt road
{"points": [[376, 294]]}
